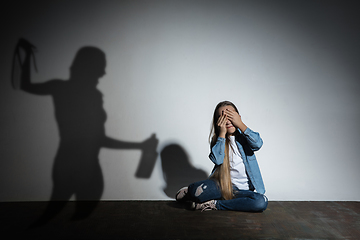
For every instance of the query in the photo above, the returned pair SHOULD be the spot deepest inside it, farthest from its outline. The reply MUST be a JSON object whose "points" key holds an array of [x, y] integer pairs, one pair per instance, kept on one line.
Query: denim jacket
{"points": [[247, 142]]}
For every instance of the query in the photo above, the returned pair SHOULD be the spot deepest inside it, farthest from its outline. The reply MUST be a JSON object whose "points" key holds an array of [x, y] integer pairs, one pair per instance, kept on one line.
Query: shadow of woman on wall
{"points": [[177, 169], [80, 117]]}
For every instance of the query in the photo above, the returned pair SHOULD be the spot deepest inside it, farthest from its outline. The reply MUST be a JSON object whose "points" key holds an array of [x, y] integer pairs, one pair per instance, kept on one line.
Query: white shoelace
{"points": [[207, 206]]}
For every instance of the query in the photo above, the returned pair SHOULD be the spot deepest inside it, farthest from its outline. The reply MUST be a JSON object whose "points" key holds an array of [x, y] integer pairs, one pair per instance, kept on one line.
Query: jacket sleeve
{"points": [[217, 153], [253, 138]]}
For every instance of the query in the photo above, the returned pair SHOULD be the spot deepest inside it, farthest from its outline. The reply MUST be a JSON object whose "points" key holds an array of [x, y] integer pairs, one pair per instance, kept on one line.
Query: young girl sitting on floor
{"points": [[236, 174]]}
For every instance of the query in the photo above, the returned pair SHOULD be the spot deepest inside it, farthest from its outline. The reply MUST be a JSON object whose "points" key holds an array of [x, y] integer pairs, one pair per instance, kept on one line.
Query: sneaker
{"points": [[181, 194], [206, 206]]}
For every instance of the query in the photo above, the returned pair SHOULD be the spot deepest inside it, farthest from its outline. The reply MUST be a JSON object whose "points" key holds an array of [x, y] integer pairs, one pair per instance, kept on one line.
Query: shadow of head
{"points": [[177, 169], [89, 62]]}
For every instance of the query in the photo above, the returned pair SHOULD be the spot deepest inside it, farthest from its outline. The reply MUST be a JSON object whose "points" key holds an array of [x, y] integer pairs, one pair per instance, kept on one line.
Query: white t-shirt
{"points": [[237, 167]]}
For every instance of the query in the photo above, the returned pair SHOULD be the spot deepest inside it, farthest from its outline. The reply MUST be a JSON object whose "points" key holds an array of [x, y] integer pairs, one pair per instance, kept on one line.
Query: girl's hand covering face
{"points": [[234, 117], [221, 123]]}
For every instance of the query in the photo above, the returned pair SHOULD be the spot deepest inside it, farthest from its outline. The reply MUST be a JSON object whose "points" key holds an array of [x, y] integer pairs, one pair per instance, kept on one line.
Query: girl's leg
{"points": [[203, 191], [245, 201]]}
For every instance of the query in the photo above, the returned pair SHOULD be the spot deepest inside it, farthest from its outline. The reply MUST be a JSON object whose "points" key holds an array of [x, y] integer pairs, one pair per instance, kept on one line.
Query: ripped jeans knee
{"points": [[203, 191]]}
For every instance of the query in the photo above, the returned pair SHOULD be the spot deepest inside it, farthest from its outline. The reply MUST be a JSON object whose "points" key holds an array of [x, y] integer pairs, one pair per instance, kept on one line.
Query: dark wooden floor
{"points": [[168, 220]]}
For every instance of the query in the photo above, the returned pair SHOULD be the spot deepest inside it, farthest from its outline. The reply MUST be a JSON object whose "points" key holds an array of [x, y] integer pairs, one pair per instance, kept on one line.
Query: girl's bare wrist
{"points": [[222, 135]]}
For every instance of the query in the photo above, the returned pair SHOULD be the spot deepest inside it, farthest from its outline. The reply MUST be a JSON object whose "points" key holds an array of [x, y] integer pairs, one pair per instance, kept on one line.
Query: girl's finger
{"points": [[219, 120], [222, 120], [229, 112]]}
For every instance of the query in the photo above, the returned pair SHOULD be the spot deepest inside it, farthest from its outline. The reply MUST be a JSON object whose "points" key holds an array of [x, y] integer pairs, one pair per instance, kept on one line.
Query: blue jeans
{"points": [[244, 200]]}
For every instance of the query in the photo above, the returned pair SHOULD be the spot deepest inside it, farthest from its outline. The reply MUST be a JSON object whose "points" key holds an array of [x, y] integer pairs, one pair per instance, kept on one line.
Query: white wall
{"points": [[290, 67]]}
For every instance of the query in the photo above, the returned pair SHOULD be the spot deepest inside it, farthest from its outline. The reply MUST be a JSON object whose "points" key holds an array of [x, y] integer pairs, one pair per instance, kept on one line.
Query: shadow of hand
{"points": [[150, 144]]}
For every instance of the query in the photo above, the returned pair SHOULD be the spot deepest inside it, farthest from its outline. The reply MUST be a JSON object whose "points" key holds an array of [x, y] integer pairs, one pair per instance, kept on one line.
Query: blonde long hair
{"points": [[222, 172]]}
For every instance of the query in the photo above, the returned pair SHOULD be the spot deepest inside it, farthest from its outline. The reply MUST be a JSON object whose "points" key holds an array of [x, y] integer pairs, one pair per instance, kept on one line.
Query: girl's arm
{"points": [[217, 153], [253, 138]]}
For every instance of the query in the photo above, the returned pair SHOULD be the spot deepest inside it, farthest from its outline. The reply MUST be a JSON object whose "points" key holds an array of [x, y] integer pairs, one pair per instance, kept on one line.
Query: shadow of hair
{"points": [[177, 169]]}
